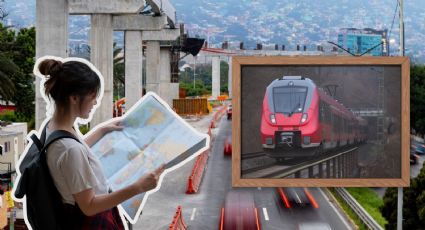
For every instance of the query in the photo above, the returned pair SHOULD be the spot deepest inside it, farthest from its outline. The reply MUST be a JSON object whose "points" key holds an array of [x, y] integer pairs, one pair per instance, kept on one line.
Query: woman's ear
{"points": [[74, 99]]}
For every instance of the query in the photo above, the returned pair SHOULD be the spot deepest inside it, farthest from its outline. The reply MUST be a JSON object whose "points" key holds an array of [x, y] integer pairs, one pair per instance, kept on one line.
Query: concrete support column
{"points": [[165, 89], [101, 55], [152, 66], [229, 83], [51, 39], [133, 67], [215, 76]]}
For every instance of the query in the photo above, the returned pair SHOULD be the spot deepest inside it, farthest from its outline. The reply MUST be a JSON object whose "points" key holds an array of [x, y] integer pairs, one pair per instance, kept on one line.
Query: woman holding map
{"points": [[74, 87]]}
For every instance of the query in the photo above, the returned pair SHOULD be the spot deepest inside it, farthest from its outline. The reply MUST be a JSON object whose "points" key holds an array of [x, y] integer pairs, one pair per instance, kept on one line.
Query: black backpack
{"points": [[45, 209]]}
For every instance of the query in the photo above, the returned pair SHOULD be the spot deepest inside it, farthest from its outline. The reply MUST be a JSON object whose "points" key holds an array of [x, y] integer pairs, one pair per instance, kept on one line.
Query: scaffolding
{"points": [[380, 138]]}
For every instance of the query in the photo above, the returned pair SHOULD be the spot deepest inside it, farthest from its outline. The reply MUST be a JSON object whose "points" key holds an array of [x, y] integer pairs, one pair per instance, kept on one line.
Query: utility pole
{"points": [[400, 189], [401, 28]]}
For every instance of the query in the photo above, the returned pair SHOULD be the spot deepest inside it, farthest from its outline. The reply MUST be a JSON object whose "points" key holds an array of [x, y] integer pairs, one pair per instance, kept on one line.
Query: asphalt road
{"points": [[202, 210]]}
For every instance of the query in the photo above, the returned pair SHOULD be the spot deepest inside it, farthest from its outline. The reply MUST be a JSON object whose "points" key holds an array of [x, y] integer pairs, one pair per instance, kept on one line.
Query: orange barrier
{"points": [[198, 169], [195, 177], [178, 222]]}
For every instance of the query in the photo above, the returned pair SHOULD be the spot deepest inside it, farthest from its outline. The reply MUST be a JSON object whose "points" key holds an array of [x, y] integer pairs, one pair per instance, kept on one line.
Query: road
{"points": [[202, 210]]}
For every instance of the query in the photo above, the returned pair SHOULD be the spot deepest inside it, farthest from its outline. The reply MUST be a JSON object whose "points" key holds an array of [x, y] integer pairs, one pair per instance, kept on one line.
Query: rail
{"points": [[358, 209], [307, 165]]}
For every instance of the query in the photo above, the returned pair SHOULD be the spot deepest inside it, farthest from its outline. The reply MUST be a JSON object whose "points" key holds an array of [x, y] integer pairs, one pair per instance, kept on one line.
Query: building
{"points": [[12, 142], [359, 41]]}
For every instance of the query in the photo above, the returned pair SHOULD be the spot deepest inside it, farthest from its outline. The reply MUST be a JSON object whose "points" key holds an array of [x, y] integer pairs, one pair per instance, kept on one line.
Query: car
{"points": [[296, 197], [239, 212], [413, 157], [229, 112], [419, 147]]}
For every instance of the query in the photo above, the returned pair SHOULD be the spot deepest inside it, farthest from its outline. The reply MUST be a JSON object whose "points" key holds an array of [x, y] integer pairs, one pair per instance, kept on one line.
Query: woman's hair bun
{"points": [[50, 67]]}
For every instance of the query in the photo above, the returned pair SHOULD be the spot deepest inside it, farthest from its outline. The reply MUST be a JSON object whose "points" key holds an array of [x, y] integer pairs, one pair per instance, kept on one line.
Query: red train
{"points": [[300, 120]]}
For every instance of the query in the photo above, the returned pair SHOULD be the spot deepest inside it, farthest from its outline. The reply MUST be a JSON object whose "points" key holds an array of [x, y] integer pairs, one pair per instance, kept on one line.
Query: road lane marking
{"points": [[192, 217], [259, 188], [266, 215], [334, 208]]}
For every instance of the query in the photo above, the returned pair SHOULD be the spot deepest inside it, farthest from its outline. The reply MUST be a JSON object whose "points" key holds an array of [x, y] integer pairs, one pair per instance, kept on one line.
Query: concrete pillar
{"points": [[215, 76], [133, 67], [229, 83], [152, 66], [51, 39], [101, 55], [165, 75]]}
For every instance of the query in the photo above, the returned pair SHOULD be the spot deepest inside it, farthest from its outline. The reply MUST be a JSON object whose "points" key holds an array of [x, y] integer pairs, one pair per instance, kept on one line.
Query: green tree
{"points": [[17, 52], [417, 98], [413, 204], [23, 56], [7, 70]]}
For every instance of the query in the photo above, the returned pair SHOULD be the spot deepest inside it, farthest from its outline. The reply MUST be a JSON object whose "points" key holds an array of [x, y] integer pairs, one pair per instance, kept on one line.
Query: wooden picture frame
{"points": [[263, 65]]}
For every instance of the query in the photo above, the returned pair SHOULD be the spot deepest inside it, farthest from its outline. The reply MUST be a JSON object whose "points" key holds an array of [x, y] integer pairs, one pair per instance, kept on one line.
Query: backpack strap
{"points": [[39, 142], [56, 135]]}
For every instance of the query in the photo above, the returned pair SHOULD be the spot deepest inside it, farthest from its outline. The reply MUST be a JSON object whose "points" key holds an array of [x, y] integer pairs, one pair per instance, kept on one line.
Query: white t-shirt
{"points": [[74, 168]]}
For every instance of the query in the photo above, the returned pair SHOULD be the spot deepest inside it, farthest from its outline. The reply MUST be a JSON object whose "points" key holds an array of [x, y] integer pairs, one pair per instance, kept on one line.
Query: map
{"points": [[153, 134]]}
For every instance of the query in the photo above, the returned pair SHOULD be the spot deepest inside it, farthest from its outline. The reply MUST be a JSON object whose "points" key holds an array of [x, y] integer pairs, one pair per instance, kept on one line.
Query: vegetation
{"points": [[417, 98], [353, 216], [370, 201], [203, 79], [17, 52], [413, 204]]}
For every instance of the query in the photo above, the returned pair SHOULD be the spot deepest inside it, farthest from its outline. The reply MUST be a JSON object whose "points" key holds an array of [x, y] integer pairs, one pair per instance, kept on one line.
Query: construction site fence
{"points": [[189, 106]]}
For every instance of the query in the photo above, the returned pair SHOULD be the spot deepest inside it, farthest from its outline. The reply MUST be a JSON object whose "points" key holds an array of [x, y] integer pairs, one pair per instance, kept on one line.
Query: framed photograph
{"points": [[316, 121]]}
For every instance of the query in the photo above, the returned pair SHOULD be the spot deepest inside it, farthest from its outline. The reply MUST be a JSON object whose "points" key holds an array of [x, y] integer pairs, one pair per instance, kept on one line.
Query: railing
{"points": [[358, 209]]}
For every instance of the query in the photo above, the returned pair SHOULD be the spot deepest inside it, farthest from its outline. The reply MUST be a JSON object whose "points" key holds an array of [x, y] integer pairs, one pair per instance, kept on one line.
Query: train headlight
{"points": [[273, 118], [304, 118]]}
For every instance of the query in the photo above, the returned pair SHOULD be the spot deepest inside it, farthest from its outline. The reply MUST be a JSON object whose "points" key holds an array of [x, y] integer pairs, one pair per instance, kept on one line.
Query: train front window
{"points": [[289, 99]]}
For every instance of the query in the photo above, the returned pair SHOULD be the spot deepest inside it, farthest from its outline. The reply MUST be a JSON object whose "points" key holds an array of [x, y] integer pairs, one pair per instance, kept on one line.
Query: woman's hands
{"points": [[113, 126], [93, 137], [148, 181]]}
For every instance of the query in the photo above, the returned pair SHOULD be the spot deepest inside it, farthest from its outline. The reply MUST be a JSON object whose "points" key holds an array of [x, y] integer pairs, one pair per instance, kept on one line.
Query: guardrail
{"points": [[358, 209], [198, 169], [178, 223], [344, 161]]}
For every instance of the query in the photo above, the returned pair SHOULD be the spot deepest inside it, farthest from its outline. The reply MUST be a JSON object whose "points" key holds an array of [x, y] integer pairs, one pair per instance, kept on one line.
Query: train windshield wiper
{"points": [[295, 108]]}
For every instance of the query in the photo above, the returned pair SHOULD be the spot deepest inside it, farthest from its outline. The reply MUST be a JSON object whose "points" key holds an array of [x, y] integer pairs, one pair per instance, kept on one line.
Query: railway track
{"points": [[291, 167]]}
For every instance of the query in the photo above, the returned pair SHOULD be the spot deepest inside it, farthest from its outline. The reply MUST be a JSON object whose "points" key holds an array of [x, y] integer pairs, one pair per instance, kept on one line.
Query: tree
{"points": [[7, 69], [413, 204], [17, 52], [417, 98]]}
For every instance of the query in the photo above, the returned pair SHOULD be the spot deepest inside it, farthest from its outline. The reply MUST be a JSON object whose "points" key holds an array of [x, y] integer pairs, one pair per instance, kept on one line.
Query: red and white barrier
{"points": [[178, 223]]}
